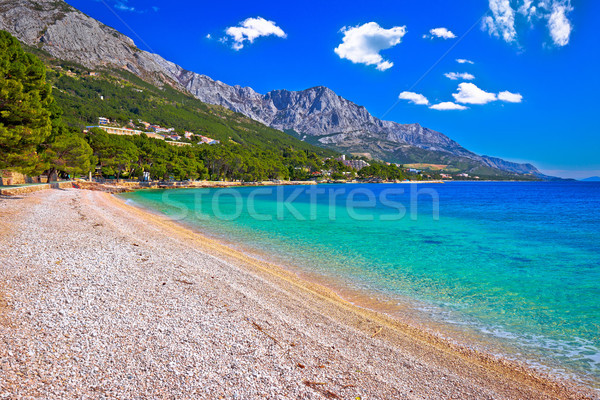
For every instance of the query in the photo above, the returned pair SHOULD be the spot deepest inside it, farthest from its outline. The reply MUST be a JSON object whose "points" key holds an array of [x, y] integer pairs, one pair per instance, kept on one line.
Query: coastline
{"points": [[356, 302], [477, 375]]}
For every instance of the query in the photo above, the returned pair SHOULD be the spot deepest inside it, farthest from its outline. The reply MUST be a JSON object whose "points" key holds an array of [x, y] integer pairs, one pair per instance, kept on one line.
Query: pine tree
{"points": [[26, 106], [69, 153]]}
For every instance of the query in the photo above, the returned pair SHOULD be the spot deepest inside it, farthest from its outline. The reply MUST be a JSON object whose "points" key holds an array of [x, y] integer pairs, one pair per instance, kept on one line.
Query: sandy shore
{"points": [[102, 300]]}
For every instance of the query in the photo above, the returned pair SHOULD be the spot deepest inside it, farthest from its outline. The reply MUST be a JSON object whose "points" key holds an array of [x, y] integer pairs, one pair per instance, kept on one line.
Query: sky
{"points": [[516, 79]]}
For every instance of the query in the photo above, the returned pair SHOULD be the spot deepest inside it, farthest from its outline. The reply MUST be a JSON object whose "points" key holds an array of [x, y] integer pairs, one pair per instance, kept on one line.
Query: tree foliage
{"points": [[69, 153], [26, 107], [123, 97], [131, 156], [382, 171], [37, 133]]}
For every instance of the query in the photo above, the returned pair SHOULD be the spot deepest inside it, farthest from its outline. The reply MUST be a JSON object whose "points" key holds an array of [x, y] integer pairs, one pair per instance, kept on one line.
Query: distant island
{"points": [[592, 179]]}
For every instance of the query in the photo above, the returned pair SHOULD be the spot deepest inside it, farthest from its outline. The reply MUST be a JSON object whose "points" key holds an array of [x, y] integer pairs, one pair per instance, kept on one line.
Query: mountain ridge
{"points": [[315, 114], [592, 179]]}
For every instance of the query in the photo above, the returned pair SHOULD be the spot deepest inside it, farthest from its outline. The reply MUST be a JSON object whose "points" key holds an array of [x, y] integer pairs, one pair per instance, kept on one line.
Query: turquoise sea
{"points": [[514, 265]]}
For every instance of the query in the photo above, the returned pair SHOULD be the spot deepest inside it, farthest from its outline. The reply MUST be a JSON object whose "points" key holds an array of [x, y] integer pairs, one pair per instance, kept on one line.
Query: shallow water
{"points": [[516, 263]]}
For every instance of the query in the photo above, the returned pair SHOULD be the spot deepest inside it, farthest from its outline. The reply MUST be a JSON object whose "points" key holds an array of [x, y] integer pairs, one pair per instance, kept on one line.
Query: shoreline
{"points": [[126, 303], [403, 311], [128, 186], [362, 304]]}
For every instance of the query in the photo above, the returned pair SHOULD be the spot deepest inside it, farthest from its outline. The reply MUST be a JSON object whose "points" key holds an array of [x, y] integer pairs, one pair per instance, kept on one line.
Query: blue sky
{"points": [[528, 95]]}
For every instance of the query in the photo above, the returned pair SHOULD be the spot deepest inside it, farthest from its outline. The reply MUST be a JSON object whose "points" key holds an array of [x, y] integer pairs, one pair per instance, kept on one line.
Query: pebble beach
{"points": [[102, 300]]}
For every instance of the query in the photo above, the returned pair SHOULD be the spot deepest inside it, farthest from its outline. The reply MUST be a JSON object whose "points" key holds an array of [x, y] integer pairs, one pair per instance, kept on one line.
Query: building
{"points": [[207, 140], [179, 144], [113, 130], [168, 133], [160, 129], [356, 164]]}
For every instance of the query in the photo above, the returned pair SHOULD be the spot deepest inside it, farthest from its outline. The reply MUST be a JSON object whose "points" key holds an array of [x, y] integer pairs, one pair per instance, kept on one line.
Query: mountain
{"points": [[320, 116], [316, 115], [126, 97], [68, 34], [592, 179]]}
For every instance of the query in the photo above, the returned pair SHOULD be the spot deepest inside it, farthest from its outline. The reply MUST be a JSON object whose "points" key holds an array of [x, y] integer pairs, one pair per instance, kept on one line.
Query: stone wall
{"points": [[21, 190], [8, 178]]}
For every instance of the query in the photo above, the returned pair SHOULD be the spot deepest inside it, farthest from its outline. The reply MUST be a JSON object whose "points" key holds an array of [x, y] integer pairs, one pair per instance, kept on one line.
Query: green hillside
{"points": [[248, 150], [127, 97]]}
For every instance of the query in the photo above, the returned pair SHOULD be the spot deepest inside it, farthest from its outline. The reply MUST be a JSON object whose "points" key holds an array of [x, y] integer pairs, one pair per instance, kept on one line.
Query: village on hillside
{"points": [[154, 131], [187, 138]]}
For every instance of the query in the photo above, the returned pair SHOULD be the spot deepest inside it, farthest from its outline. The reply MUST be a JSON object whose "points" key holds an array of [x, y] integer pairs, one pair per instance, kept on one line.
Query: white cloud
{"points": [[251, 29], [527, 9], [414, 98], [510, 97], [443, 33], [447, 105], [502, 21], [464, 61], [208, 36], [362, 44], [559, 25], [465, 76], [122, 5], [469, 93]]}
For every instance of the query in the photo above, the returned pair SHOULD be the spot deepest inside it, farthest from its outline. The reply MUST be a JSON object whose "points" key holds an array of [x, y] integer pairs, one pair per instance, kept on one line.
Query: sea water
{"points": [[516, 263]]}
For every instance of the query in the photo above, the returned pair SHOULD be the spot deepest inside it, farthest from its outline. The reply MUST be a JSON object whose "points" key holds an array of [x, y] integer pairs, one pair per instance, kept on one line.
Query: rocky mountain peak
{"points": [[316, 114]]}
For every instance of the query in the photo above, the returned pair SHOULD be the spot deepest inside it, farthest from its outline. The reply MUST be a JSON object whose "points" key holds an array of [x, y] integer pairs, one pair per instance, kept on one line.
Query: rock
{"points": [[318, 112]]}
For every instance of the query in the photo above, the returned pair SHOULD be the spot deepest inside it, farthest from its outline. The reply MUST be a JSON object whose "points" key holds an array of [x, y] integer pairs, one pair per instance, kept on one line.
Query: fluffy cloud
{"points": [[447, 105], [465, 76], [510, 97], [527, 9], [559, 25], [419, 99], [443, 33], [251, 29], [362, 44], [469, 93], [503, 22], [414, 98], [464, 61]]}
